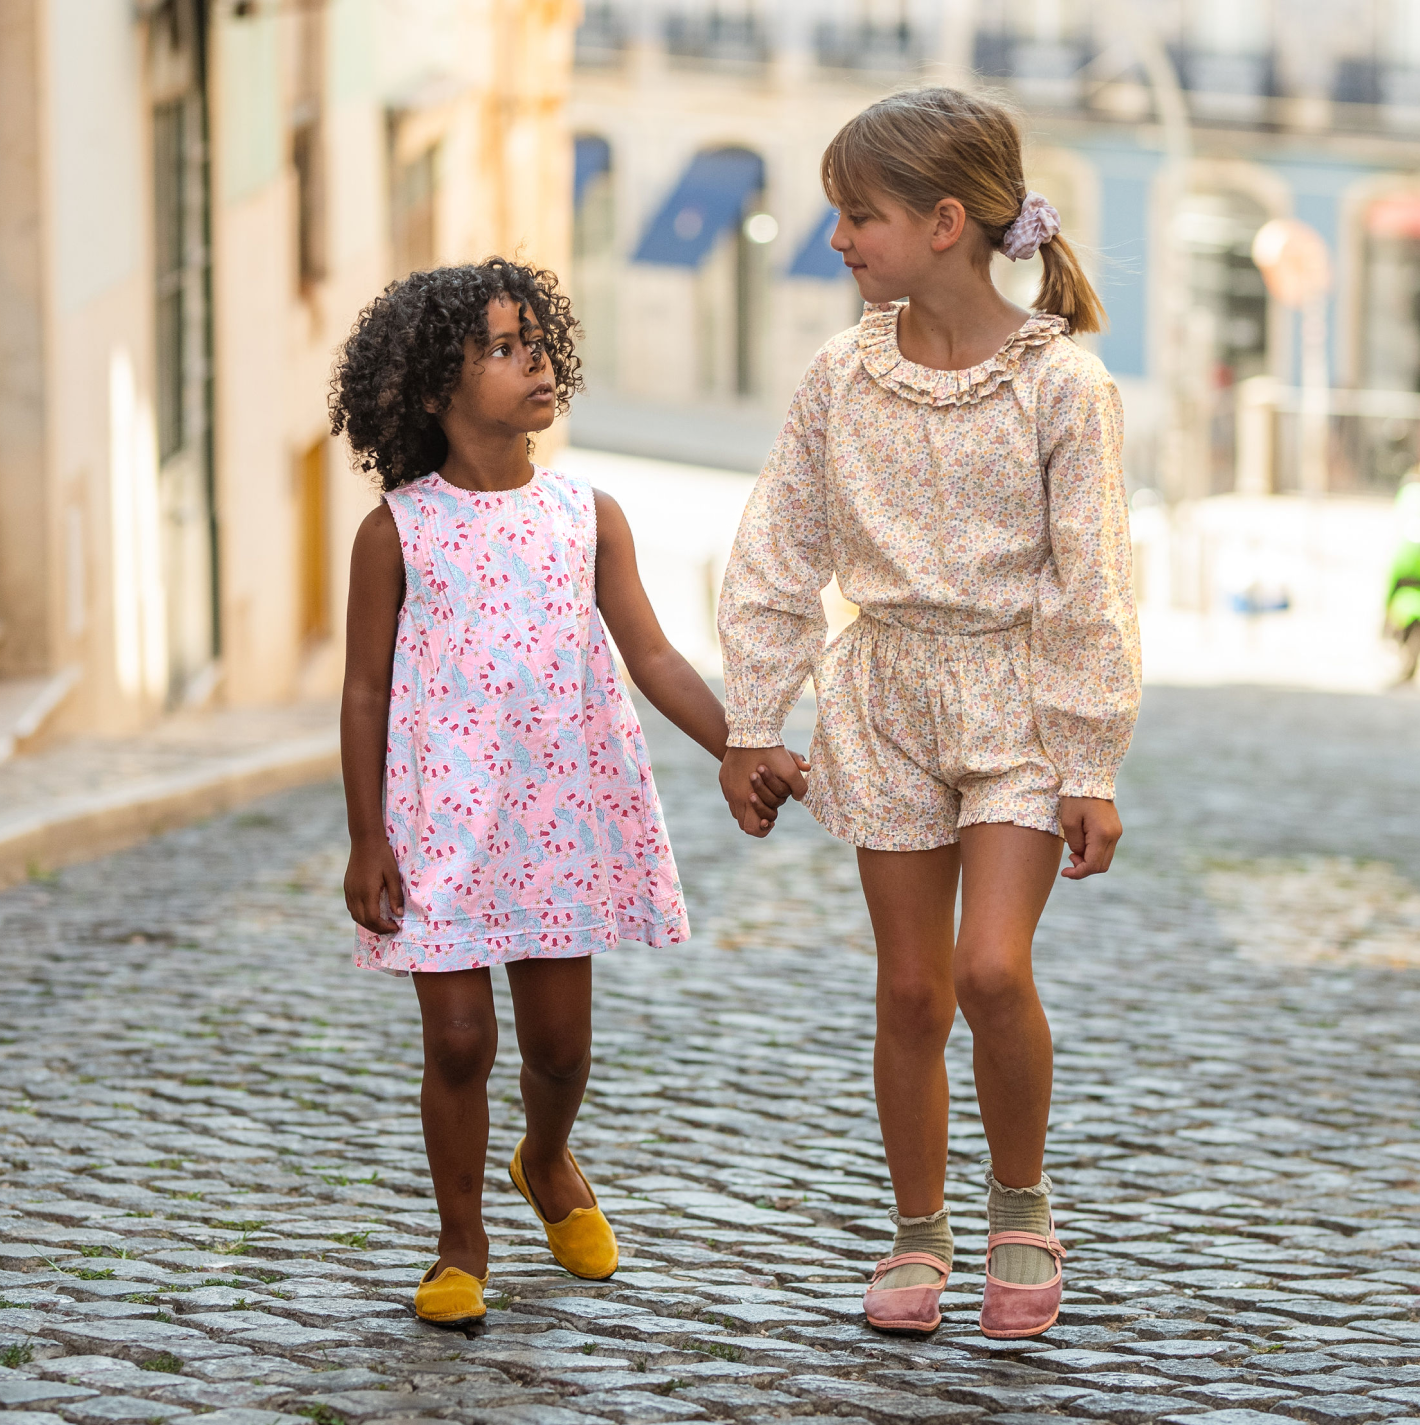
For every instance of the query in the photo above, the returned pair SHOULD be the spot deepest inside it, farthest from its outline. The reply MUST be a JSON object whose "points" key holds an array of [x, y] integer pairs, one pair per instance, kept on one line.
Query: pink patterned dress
{"points": [[518, 792]]}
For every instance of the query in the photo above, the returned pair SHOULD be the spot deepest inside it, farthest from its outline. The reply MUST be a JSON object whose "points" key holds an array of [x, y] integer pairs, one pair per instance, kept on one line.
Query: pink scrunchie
{"points": [[1035, 225]]}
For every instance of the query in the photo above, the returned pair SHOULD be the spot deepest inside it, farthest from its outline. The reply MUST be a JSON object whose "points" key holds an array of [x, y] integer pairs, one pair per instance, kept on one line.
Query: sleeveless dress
{"points": [[518, 792]]}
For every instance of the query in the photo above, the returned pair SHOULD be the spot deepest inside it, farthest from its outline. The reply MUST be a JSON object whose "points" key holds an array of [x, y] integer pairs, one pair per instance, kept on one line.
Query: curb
{"points": [[82, 827]]}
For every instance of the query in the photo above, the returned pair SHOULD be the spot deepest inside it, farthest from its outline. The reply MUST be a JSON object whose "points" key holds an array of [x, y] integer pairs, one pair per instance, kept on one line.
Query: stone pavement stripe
{"points": [[79, 827]]}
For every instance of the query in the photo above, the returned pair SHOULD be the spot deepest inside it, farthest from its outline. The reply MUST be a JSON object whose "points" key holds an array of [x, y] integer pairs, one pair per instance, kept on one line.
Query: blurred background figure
{"points": [[197, 196], [1403, 597]]}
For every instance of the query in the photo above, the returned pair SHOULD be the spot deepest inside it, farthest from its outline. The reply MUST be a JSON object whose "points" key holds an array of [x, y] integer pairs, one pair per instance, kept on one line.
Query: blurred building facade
{"points": [[704, 276], [198, 198]]}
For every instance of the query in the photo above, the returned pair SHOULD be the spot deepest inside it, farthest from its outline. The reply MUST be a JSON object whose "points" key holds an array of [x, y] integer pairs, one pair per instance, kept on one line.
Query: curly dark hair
{"points": [[407, 347]]}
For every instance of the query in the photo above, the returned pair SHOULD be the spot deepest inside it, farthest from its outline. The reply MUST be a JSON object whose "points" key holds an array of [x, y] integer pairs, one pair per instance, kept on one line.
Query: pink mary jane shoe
{"points": [[1010, 1311], [916, 1310]]}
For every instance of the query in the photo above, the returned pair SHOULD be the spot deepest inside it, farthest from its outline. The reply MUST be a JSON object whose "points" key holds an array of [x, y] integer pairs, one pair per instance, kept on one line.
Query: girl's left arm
{"points": [[672, 686], [1085, 669]]}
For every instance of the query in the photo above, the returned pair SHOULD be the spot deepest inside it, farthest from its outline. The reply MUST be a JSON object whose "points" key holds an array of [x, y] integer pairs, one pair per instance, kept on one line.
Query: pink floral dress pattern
{"points": [[518, 793]]}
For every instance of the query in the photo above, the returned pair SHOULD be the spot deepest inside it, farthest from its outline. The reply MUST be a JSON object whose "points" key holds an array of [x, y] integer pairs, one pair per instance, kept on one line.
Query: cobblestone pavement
{"points": [[213, 1197]]}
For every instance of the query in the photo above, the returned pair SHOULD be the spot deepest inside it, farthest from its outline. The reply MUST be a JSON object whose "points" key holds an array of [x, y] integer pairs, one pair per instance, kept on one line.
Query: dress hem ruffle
{"points": [[481, 954]]}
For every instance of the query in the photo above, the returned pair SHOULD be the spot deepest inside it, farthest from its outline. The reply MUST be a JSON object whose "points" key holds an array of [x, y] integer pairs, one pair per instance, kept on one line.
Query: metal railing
{"points": [[868, 46], [1369, 438]]}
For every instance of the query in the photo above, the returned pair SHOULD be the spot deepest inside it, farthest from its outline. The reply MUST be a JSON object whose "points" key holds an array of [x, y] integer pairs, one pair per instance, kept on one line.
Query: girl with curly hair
{"points": [[500, 799]]}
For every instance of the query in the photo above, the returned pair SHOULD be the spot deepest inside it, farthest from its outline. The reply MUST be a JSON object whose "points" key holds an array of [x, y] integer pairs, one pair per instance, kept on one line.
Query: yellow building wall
{"points": [[78, 585]]}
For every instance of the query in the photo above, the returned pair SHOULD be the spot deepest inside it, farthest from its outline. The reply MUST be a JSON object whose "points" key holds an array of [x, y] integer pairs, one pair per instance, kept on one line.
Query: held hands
{"points": [[1092, 829], [757, 781], [373, 893]]}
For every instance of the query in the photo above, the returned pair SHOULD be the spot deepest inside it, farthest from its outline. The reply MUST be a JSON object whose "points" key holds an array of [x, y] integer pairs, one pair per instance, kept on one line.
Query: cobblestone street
{"points": [[213, 1196]]}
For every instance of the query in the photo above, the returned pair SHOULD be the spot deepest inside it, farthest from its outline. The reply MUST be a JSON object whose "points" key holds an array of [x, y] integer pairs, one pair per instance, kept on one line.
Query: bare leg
{"points": [[911, 897], [460, 1042], [552, 1007], [1007, 875]]}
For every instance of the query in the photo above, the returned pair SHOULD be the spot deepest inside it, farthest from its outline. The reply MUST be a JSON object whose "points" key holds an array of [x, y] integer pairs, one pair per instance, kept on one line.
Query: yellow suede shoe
{"points": [[583, 1241], [451, 1299]]}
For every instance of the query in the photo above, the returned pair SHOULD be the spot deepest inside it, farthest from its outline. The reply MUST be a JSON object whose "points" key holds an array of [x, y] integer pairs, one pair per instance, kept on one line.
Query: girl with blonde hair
{"points": [[955, 461]]}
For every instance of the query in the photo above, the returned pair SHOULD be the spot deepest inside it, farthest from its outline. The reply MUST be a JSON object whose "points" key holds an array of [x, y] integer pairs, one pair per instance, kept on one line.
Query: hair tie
{"points": [[1035, 225]]}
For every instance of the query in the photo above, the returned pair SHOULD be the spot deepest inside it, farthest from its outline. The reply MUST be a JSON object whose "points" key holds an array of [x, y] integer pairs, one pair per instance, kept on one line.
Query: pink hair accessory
{"points": [[1035, 225]]}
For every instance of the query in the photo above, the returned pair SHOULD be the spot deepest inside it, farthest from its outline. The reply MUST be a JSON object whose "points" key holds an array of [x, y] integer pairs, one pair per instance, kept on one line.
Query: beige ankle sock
{"points": [[919, 1234], [1020, 1210]]}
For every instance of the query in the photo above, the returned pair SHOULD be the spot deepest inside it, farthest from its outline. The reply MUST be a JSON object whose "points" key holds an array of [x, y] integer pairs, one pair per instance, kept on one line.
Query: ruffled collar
{"points": [[885, 363]]}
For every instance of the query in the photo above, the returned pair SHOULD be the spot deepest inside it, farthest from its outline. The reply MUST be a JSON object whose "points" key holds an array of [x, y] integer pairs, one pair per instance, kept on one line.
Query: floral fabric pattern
{"points": [[518, 793], [955, 503]]}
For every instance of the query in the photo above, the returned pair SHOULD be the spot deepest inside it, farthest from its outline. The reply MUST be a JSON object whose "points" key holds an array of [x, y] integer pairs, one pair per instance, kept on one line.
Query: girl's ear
{"points": [[948, 224], [430, 405]]}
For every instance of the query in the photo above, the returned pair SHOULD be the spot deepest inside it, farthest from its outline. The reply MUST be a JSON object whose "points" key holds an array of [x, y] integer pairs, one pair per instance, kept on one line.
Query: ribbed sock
{"points": [[919, 1234], [1020, 1210]]}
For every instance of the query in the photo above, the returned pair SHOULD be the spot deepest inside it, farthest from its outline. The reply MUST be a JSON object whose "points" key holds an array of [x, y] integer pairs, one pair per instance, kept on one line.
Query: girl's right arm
{"points": [[372, 618], [771, 618]]}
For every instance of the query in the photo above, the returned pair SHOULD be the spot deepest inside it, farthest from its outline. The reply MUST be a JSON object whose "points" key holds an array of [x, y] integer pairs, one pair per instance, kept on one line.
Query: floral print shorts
{"points": [[920, 734]]}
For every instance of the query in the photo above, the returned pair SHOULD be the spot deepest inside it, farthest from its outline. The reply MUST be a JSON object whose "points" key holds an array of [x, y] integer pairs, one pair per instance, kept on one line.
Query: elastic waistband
{"points": [[938, 623]]}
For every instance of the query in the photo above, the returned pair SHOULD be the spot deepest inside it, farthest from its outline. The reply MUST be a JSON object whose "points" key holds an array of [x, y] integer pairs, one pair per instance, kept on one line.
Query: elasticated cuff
{"points": [[754, 734], [1088, 784], [1042, 1189], [898, 1220]]}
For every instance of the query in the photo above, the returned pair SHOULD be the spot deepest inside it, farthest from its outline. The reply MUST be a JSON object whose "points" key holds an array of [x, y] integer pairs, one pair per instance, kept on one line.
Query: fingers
{"points": [[752, 816], [767, 809], [797, 783], [394, 890], [1092, 831], [770, 789], [367, 911], [374, 895]]}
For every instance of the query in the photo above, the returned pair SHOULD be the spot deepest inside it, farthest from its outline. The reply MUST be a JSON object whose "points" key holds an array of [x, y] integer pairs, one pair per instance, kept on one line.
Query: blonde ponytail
{"points": [[923, 145], [1064, 289]]}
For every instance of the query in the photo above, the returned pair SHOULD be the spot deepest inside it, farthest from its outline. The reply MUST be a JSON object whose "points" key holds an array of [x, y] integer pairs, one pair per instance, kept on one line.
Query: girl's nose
{"points": [[840, 241]]}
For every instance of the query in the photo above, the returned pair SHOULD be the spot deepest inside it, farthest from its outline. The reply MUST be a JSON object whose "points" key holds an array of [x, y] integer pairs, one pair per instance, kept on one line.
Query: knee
{"points": [[460, 1051], [916, 1008], [562, 1058], [986, 987]]}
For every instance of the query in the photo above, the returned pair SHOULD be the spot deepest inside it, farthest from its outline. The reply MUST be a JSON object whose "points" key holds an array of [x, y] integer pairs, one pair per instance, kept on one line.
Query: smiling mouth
{"points": [[543, 390]]}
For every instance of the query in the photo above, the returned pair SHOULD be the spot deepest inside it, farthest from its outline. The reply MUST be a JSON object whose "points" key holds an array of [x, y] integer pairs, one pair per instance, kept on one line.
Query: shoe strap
{"points": [[1049, 1244], [908, 1259]]}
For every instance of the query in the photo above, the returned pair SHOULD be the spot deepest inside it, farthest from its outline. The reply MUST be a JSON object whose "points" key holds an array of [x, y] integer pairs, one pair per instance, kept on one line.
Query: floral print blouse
{"points": [[953, 502]]}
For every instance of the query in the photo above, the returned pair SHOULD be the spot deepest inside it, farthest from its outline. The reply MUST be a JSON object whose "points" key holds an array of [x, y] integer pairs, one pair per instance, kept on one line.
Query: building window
{"points": [[1225, 333], [313, 550], [730, 31], [594, 265], [601, 37], [1382, 450], [310, 203], [170, 250], [879, 36], [413, 187], [308, 147]]}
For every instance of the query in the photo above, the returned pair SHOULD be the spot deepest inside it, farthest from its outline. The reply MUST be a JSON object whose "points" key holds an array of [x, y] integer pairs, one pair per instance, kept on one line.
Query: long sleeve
{"points": [[1085, 668], [771, 618]]}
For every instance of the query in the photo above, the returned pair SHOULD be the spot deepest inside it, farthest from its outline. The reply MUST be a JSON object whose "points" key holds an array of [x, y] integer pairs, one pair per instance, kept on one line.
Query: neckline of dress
{"points": [[489, 496], [927, 385]]}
